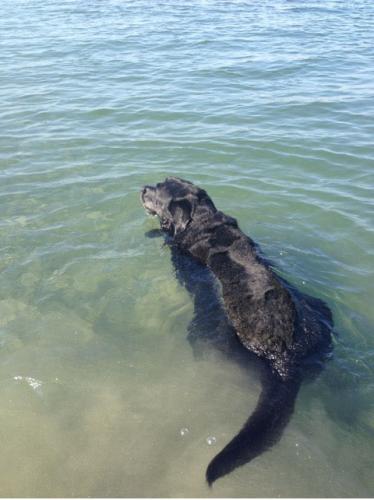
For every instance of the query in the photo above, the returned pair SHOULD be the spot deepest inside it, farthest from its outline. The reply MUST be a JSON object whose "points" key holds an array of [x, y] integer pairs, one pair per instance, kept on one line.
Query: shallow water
{"points": [[267, 105]]}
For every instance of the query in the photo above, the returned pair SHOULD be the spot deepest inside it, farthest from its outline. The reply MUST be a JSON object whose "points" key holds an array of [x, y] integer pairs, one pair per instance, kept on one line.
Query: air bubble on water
{"points": [[184, 431], [303, 282], [211, 440]]}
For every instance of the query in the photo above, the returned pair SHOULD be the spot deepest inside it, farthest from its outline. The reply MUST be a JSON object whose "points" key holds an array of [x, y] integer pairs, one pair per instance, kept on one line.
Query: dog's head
{"points": [[177, 203]]}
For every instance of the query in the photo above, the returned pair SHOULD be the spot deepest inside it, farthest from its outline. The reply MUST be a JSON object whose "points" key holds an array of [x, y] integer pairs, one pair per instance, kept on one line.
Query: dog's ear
{"points": [[182, 212]]}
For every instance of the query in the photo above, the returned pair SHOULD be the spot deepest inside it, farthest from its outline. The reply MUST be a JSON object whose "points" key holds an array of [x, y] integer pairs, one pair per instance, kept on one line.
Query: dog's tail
{"points": [[263, 428]]}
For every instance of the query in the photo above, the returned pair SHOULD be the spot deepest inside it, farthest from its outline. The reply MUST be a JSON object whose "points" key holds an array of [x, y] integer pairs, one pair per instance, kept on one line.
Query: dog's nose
{"points": [[147, 190], [143, 192], [147, 193]]}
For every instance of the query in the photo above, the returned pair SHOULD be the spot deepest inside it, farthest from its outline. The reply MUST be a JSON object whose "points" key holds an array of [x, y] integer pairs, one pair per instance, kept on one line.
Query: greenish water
{"points": [[267, 105]]}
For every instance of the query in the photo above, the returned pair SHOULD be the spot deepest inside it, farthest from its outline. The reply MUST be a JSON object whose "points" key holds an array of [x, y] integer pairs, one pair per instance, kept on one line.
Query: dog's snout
{"points": [[147, 197], [143, 192], [147, 188]]}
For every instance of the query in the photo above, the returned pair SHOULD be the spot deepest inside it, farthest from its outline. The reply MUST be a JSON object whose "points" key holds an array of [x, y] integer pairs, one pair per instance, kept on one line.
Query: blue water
{"points": [[267, 105]]}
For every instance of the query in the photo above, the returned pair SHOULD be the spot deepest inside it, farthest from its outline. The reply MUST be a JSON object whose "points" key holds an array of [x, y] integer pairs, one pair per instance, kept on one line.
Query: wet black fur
{"points": [[243, 308]]}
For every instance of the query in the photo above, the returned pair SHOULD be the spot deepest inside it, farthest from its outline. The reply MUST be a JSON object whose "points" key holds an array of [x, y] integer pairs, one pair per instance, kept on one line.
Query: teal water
{"points": [[267, 105]]}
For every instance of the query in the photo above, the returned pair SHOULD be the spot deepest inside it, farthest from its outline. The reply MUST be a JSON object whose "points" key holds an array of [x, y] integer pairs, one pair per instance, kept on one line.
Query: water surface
{"points": [[267, 105]]}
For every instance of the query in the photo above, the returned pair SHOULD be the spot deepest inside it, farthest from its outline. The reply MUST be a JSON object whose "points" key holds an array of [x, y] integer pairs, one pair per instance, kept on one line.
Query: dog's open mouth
{"points": [[150, 212]]}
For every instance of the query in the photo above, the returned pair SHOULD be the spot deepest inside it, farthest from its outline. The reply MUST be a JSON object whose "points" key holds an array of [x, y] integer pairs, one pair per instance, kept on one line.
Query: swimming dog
{"points": [[287, 330]]}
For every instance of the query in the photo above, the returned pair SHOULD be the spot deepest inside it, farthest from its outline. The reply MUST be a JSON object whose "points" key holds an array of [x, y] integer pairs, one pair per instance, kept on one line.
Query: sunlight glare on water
{"points": [[269, 106]]}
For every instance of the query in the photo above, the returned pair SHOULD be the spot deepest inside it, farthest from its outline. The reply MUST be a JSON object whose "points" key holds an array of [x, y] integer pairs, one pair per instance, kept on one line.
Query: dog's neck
{"points": [[212, 233]]}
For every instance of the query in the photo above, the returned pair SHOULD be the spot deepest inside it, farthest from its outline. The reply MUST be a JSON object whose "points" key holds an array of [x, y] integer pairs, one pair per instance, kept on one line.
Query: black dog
{"points": [[289, 331]]}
